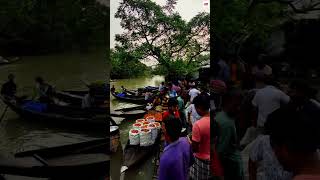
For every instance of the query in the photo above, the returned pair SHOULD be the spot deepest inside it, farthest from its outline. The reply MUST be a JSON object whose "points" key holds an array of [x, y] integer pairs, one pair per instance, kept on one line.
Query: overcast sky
{"points": [[186, 8]]}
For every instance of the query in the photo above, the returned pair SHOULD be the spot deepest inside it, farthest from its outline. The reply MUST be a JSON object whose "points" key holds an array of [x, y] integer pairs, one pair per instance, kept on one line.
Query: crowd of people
{"points": [[186, 130], [277, 127]]}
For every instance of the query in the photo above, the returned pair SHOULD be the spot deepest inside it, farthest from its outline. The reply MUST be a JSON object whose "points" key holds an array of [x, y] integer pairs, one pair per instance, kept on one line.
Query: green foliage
{"points": [[40, 26], [236, 21], [153, 31], [125, 65]]}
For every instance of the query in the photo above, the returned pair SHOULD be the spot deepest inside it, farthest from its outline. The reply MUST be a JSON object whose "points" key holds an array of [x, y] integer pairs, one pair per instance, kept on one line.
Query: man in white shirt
{"points": [[193, 116], [267, 100], [193, 92], [262, 69]]}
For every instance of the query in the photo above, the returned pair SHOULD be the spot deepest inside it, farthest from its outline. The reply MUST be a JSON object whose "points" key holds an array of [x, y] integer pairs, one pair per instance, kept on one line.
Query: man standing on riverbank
{"points": [[177, 156], [193, 92], [267, 100], [201, 169], [227, 142]]}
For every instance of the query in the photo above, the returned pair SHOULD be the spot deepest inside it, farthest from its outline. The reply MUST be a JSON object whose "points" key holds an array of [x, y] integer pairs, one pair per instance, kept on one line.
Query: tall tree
{"points": [[159, 33]]}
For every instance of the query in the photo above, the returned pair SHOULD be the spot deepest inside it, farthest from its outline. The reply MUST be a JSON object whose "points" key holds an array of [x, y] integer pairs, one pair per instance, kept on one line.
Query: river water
{"points": [[64, 71], [145, 170]]}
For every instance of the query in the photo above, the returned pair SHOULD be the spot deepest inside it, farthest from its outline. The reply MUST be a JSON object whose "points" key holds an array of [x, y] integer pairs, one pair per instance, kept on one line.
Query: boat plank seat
{"points": [[135, 112], [71, 95], [25, 162], [78, 159]]}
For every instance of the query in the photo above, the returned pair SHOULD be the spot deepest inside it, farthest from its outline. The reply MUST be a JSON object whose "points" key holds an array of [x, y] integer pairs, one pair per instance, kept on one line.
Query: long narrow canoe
{"points": [[76, 97], [58, 115], [128, 114], [6, 62], [128, 98], [140, 107], [85, 160]]}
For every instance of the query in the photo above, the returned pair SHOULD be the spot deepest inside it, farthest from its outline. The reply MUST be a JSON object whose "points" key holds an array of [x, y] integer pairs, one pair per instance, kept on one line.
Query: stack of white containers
{"points": [[144, 132]]}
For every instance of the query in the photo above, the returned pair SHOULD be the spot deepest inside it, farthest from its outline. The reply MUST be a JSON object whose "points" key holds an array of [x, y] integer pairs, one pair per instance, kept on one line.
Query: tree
{"points": [[236, 22], [43, 26], [159, 33], [125, 65]]}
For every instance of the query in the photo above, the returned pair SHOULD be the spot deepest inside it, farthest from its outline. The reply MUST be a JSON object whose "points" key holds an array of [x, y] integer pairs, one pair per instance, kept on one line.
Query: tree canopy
{"points": [[238, 21], [42, 26], [125, 65], [159, 33]]}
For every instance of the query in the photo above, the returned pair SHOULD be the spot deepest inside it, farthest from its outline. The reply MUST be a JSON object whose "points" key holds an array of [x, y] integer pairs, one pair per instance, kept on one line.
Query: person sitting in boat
{"points": [[177, 157], [9, 88], [88, 101], [43, 91], [113, 89]]}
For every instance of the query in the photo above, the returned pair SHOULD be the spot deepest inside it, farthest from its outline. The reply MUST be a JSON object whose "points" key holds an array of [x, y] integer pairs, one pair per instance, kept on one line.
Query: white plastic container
{"points": [[140, 120], [151, 119], [145, 123], [158, 125], [137, 126], [134, 137], [145, 137], [154, 132]]}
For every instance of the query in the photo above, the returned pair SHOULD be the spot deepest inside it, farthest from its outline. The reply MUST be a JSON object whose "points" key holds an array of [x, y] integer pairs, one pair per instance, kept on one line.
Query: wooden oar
{"points": [[85, 82], [4, 112]]}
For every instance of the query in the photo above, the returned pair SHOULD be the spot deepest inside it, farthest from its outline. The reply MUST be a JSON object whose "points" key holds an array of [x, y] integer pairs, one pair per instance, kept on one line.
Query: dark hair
{"points": [[202, 102], [39, 79], [169, 84], [295, 130], [230, 95], [172, 102], [302, 87], [173, 127], [162, 83]]}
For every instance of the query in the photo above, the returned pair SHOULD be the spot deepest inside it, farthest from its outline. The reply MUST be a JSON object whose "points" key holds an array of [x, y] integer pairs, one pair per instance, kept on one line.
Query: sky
{"points": [[186, 8]]}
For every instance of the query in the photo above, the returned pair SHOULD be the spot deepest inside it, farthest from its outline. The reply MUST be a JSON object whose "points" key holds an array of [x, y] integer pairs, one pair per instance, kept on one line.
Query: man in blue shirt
{"points": [[177, 157]]}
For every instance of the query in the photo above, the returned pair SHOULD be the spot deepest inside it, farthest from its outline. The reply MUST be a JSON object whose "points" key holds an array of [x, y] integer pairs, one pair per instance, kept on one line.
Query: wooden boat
{"points": [[143, 90], [72, 99], [140, 107], [58, 115], [151, 88], [128, 114], [76, 97], [134, 155], [84, 160], [5, 62], [129, 98]]}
